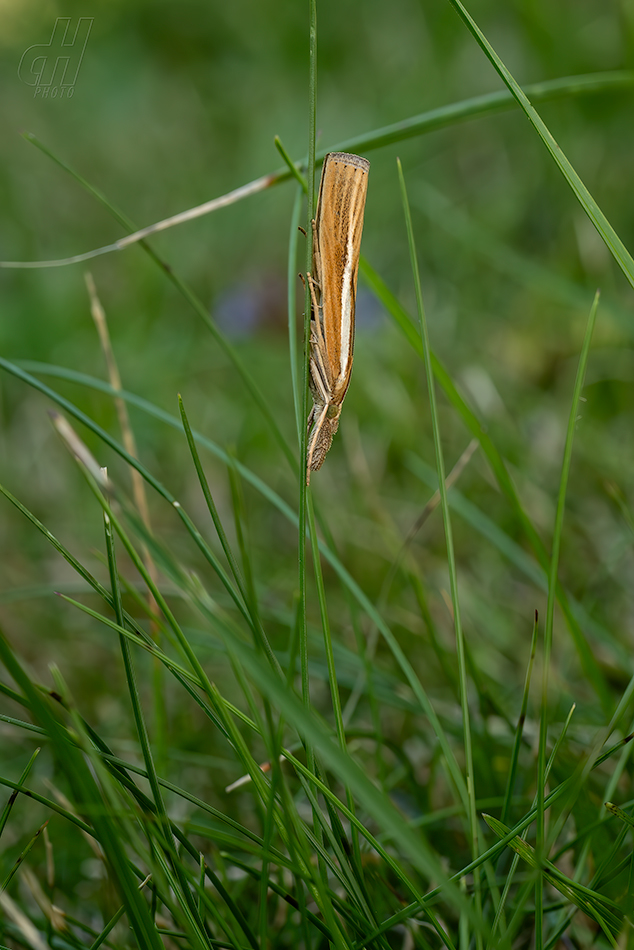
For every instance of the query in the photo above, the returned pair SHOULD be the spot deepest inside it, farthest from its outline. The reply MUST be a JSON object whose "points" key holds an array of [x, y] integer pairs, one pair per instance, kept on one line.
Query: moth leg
{"points": [[319, 388], [316, 254], [316, 314], [319, 374], [314, 439], [318, 416]]}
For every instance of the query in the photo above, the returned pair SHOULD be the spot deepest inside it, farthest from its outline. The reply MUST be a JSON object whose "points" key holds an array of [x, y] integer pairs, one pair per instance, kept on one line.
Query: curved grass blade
{"points": [[195, 303], [612, 241], [431, 121], [479, 106]]}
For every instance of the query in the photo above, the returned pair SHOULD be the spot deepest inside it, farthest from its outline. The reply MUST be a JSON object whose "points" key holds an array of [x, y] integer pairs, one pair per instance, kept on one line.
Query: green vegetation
{"points": [[393, 710]]}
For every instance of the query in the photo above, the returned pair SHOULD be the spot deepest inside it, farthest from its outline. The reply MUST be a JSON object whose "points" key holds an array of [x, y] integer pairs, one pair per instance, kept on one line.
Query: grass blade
{"points": [[588, 661], [550, 606], [89, 800], [453, 576], [612, 241]]}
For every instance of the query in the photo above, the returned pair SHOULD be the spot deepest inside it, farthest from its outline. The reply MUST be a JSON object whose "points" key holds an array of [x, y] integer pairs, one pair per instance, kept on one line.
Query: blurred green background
{"points": [[179, 103]]}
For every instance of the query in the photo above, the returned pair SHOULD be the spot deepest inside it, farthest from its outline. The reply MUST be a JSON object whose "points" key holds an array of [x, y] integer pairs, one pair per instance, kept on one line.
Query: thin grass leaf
{"points": [[248, 600], [290, 164], [291, 302], [619, 813], [342, 765], [338, 839], [550, 606], [6, 811], [412, 909], [196, 304], [588, 661], [515, 922], [520, 725], [240, 525], [604, 911], [442, 117], [107, 930], [177, 883], [89, 800], [612, 241], [480, 106], [451, 561], [344, 575], [18, 862], [303, 416]]}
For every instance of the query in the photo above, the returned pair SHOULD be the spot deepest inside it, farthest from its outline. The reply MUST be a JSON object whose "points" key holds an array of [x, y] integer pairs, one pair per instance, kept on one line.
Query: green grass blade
{"points": [[291, 295], [453, 575], [479, 106], [89, 801], [431, 121], [154, 482], [612, 241], [496, 849], [213, 511], [135, 699], [552, 595], [196, 304], [291, 165], [588, 662], [619, 813], [18, 862], [6, 811], [47, 802], [606, 913], [520, 726], [345, 577], [325, 624], [240, 526], [248, 597], [107, 930], [310, 214]]}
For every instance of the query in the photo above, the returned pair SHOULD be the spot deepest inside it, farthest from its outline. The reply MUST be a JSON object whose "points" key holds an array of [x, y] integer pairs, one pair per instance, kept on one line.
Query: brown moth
{"points": [[337, 232]]}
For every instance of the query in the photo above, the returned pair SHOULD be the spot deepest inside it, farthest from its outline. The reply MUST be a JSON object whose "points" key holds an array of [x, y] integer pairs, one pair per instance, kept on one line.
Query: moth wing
{"points": [[339, 225]]}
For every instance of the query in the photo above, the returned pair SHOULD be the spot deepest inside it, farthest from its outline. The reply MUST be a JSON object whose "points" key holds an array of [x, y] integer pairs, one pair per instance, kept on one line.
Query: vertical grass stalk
{"points": [[550, 614], [453, 577]]}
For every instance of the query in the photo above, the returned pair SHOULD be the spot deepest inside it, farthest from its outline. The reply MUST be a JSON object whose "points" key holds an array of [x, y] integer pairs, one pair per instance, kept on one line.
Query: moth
{"points": [[337, 232]]}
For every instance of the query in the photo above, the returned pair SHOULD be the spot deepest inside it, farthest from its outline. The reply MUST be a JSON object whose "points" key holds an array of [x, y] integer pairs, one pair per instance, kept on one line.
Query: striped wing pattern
{"points": [[336, 246]]}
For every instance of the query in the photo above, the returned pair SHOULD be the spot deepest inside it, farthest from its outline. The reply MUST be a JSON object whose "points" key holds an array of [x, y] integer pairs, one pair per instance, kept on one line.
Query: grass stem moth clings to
{"points": [[333, 285]]}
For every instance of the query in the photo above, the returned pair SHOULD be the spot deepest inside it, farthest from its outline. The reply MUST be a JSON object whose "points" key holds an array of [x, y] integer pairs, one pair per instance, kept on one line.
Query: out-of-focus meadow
{"points": [[175, 104]]}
